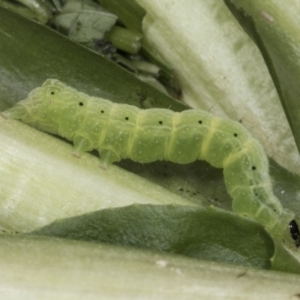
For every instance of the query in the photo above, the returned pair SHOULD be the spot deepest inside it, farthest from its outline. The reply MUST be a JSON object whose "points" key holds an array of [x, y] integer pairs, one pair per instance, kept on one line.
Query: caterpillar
{"points": [[120, 131]]}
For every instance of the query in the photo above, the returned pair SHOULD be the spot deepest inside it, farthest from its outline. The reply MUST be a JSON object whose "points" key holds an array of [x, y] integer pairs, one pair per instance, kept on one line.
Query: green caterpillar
{"points": [[120, 131]]}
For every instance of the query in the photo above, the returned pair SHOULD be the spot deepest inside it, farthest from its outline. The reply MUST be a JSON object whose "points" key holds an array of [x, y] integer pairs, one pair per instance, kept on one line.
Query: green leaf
{"points": [[83, 21], [32, 53], [45, 268], [41, 181], [47, 54], [220, 69], [35, 9], [275, 29], [130, 13], [208, 234]]}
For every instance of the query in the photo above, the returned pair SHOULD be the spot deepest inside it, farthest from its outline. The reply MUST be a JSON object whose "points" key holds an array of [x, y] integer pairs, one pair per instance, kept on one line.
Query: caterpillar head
{"points": [[285, 228], [294, 232], [50, 107]]}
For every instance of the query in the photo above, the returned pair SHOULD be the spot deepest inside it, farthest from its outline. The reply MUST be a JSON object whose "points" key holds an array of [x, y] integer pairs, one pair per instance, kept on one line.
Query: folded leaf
{"points": [[209, 234]]}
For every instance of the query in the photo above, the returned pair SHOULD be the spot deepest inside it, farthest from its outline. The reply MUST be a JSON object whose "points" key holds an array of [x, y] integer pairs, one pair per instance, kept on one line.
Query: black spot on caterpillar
{"points": [[120, 131]]}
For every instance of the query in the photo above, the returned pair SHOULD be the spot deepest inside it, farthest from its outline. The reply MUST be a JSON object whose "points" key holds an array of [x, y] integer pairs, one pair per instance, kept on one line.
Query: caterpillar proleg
{"points": [[120, 131]]}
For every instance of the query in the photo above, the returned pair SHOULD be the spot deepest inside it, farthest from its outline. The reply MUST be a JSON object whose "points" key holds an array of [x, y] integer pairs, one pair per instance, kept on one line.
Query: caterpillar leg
{"points": [[81, 145], [107, 157]]}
